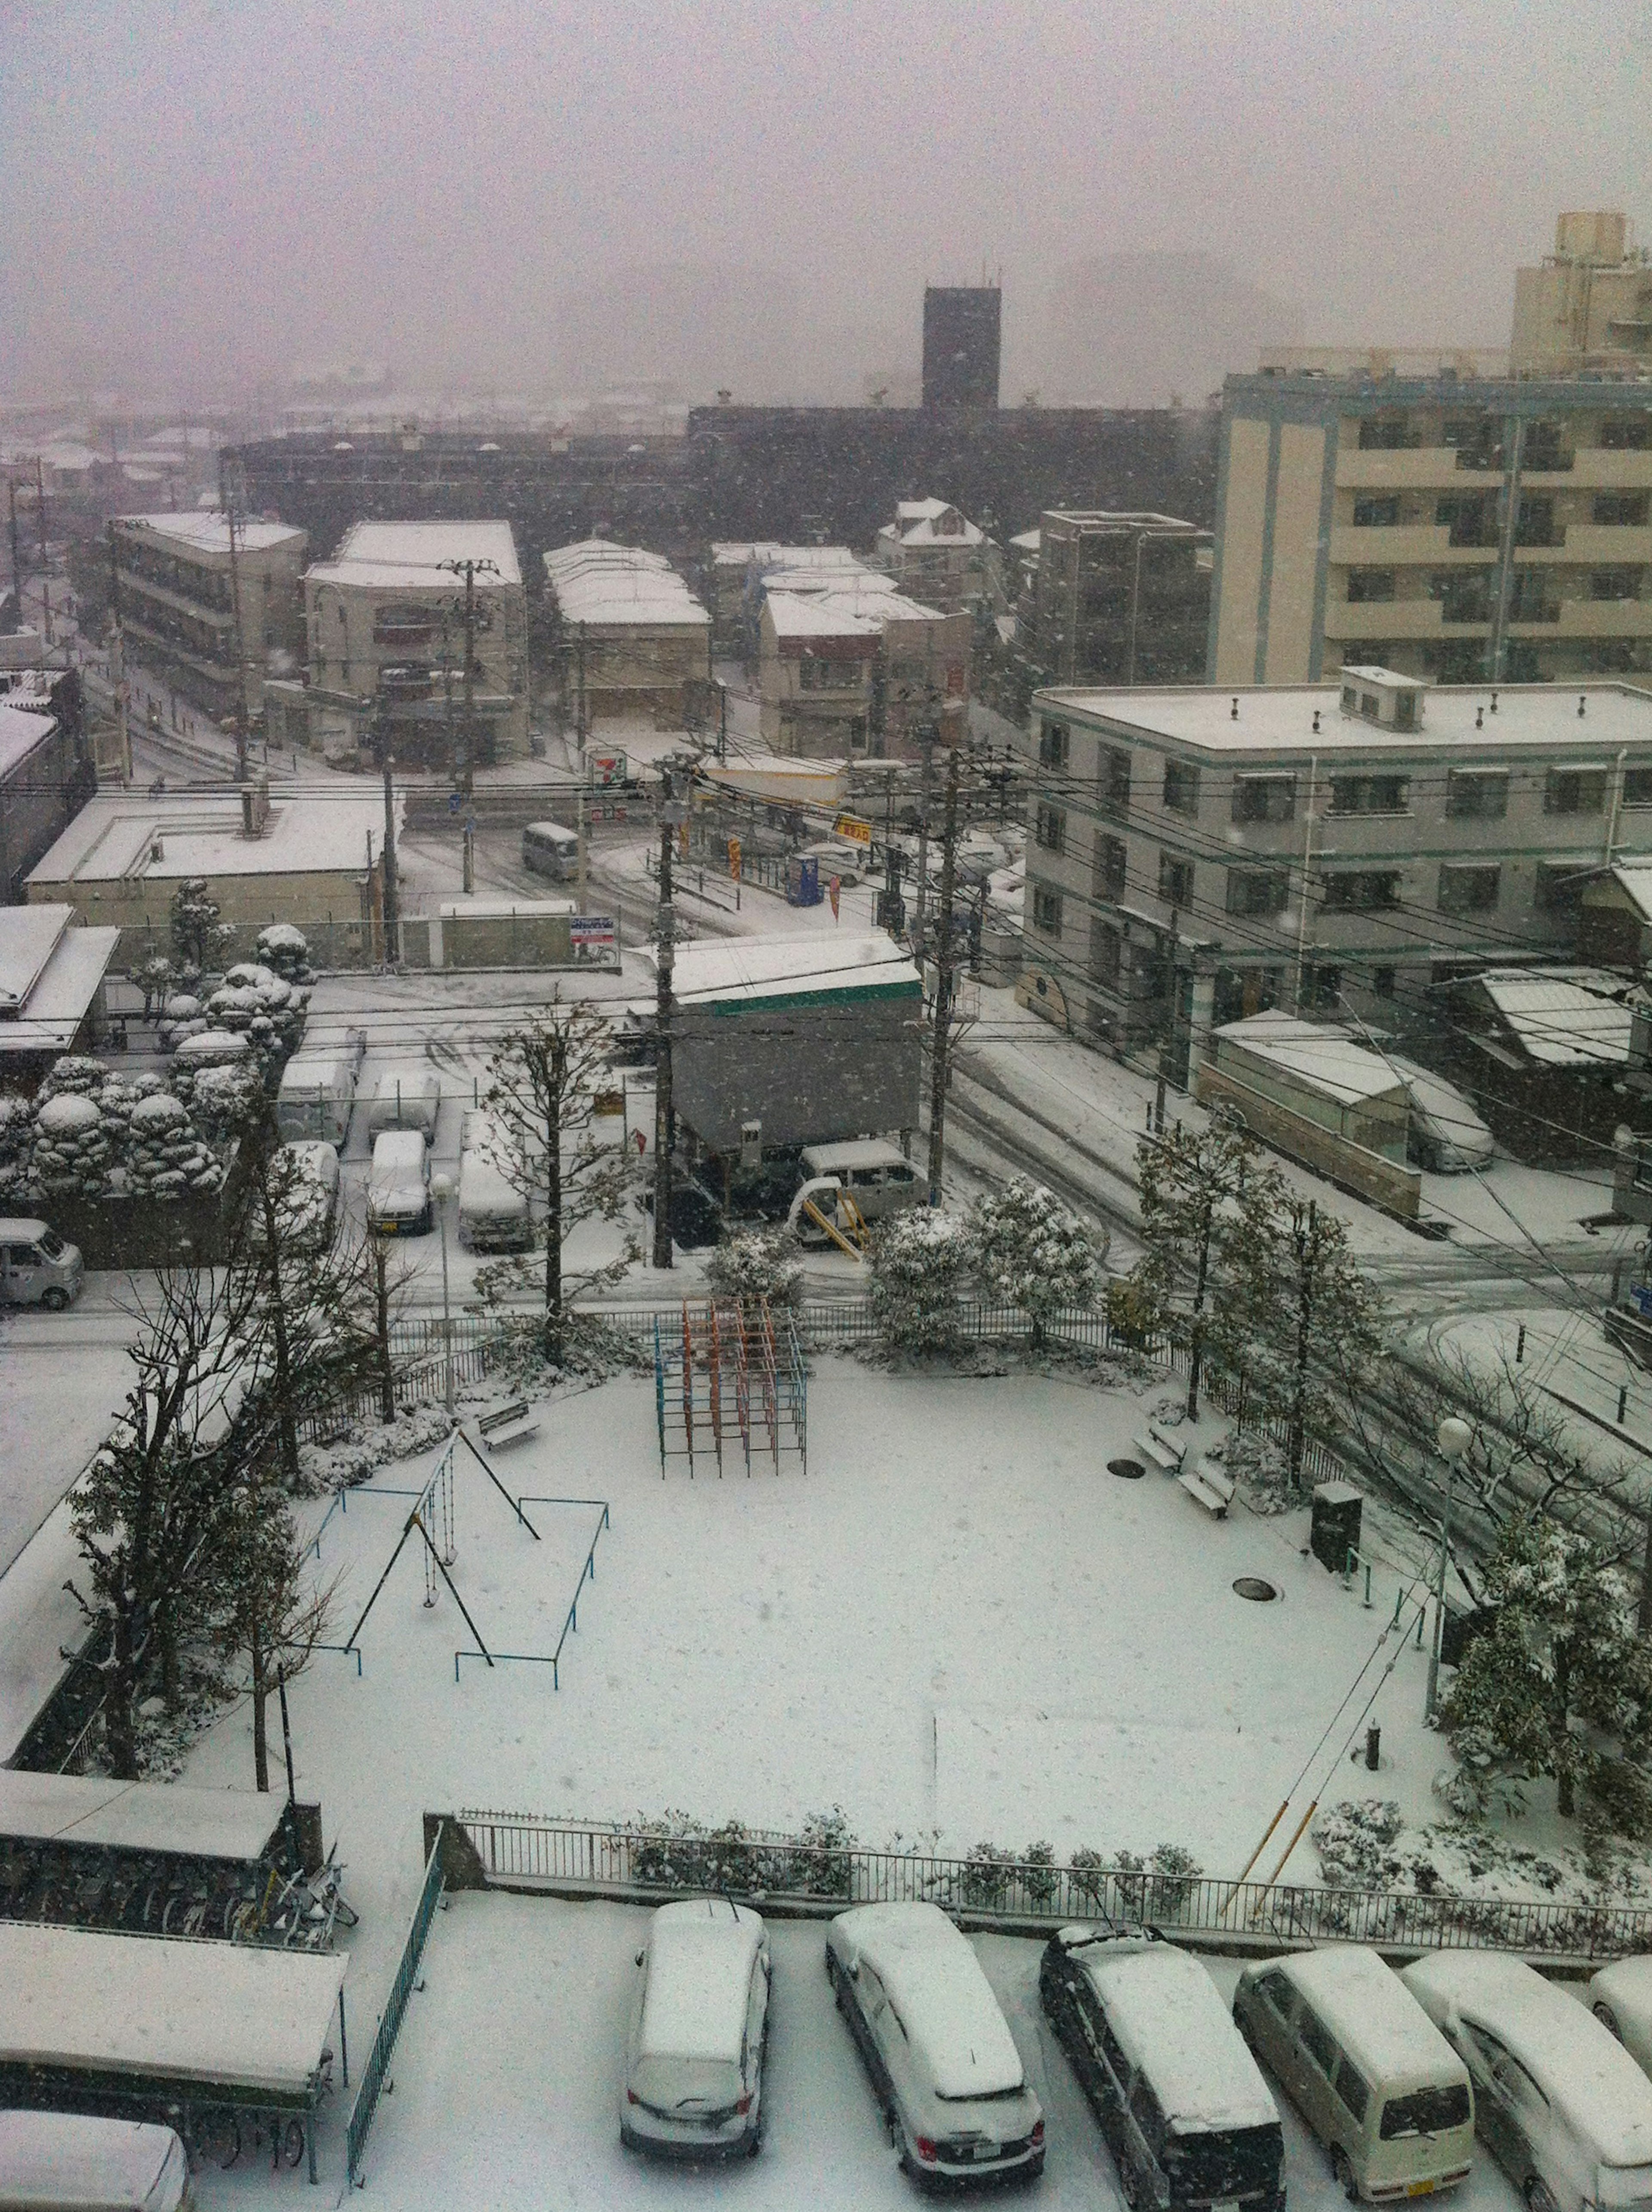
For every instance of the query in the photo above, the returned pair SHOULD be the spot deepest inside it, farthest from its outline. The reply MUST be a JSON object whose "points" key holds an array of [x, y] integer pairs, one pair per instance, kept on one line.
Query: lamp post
{"points": [[441, 1189], [1452, 1439]]}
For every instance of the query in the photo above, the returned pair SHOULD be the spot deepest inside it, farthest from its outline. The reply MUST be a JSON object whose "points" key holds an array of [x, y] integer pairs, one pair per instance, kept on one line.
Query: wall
{"points": [[842, 1067], [1397, 1190]]}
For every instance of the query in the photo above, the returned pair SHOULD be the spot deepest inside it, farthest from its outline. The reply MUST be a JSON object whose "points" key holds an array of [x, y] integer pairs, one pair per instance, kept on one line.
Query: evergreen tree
{"points": [[199, 939], [1191, 1183], [919, 1260], [1034, 1253], [754, 1264]]}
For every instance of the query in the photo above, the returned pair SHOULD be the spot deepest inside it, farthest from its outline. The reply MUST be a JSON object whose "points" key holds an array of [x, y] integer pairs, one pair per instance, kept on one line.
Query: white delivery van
{"points": [[398, 1185], [1368, 2070], [1561, 2107], [699, 2033], [37, 1268], [876, 1175], [493, 1214], [72, 2162], [405, 1097], [550, 850], [318, 1090]]}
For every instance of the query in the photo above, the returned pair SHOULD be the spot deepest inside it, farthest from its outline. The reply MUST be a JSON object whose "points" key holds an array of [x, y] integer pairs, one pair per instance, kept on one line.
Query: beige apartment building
{"points": [[633, 643], [1587, 309], [195, 613], [859, 670]]}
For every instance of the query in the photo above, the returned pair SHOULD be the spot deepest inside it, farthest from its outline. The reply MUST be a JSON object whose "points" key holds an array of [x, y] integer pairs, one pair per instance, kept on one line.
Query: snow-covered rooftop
{"points": [[598, 581], [1562, 1017], [844, 610], [504, 909], [70, 2160], [711, 971], [1634, 878], [23, 728], [116, 835], [62, 990], [207, 530], [381, 556], [700, 1956], [1457, 719], [1163, 2007], [1323, 1054], [138, 1816], [1367, 2008], [28, 937], [931, 522], [946, 2001]]}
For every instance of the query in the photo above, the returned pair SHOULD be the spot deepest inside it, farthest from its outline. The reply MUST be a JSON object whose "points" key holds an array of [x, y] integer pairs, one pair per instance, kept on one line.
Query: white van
{"points": [[72, 2162], [318, 1090], [405, 1097], [699, 2033], [1367, 2069], [1560, 2104], [398, 1185], [1446, 1135], [493, 1214], [550, 850], [37, 1268], [876, 1176]]}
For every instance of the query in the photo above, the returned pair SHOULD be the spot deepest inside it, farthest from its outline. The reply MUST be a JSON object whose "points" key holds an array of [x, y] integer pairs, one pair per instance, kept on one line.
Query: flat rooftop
{"points": [[380, 556], [1279, 719], [206, 529], [114, 838]]}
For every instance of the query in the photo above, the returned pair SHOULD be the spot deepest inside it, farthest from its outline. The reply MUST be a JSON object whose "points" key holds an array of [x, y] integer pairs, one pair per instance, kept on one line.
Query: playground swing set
{"points": [[731, 1373]]}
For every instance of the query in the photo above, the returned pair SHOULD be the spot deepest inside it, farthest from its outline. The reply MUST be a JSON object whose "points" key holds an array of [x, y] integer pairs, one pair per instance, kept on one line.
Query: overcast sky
{"points": [[195, 195]]}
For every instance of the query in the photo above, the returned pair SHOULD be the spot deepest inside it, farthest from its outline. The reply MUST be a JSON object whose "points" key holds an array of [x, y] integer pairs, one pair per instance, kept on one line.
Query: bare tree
{"points": [[274, 1611], [1191, 1182]]}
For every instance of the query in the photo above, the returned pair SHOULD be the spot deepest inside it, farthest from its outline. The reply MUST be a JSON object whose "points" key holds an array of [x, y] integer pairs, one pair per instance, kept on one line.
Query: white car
{"points": [[942, 2060], [699, 2033], [1621, 1996], [1446, 1135]]}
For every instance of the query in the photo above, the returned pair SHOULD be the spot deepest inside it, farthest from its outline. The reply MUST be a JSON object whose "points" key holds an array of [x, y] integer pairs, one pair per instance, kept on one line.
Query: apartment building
{"points": [[736, 573], [1197, 855], [859, 669], [1587, 308], [387, 623], [935, 553], [633, 642], [193, 610], [1117, 598]]}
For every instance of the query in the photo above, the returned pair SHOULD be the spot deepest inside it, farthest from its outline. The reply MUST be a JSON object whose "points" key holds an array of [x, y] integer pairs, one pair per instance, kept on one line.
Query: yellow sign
{"points": [[734, 858], [851, 826]]}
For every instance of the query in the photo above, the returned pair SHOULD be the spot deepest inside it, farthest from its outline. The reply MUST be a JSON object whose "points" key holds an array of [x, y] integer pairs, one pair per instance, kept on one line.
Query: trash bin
{"points": [[1336, 1529]]}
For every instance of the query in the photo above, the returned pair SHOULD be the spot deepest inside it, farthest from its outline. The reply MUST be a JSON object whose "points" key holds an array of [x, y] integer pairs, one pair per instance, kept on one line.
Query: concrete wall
{"points": [[1398, 1189], [841, 1067]]}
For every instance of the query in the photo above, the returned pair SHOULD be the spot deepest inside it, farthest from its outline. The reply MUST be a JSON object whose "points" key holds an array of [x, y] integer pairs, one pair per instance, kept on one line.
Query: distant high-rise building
{"points": [[962, 329]]}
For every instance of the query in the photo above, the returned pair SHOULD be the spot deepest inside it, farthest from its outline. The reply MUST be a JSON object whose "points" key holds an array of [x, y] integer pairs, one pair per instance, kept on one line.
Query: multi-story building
{"points": [[198, 612], [47, 771], [1460, 530], [1586, 310], [1118, 599], [934, 552], [739, 571], [859, 670], [634, 644], [1197, 855], [962, 340], [386, 621]]}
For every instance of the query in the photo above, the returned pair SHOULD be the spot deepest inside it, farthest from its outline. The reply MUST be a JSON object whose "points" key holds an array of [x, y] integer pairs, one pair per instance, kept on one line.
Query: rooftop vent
{"points": [[1377, 695]]}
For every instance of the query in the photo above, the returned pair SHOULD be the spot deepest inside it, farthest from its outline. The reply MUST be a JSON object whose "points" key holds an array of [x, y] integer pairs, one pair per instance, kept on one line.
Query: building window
{"points": [[1115, 781], [1376, 513], [1175, 880], [1370, 795], [1368, 585], [1638, 786], [1465, 594], [1560, 886], [1469, 891], [1047, 911], [1384, 433], [1361, 891], [1322, 986], [1050, 829], [1181, 787], [1468, 519], [1477, 794], [1383, 982], [1112, 862], [1054, 745], [1534, 519], [1614, 583], [1575, 790], [1258, 891], [1264, 797], [1106, 954], [1620, 510], [1630, 433]]}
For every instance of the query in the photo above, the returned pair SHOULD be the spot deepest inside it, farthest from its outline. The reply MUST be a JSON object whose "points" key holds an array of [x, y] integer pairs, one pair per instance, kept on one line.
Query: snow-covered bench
{"points": [[1158, 1450], [1210, 1484], [508, 1424]]}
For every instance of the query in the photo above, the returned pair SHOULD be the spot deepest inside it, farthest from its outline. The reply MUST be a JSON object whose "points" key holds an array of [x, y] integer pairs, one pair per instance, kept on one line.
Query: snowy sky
{"points": [[194, 194]]}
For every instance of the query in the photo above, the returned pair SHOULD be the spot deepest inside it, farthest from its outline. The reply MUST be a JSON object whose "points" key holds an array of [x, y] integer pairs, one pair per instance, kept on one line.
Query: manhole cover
{"points": [[1131, 1470], [1258, 1591]]}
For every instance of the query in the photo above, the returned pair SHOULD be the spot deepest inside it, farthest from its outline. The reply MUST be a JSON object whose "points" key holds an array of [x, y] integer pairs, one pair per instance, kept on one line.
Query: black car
{"points": [[696, 1217]]}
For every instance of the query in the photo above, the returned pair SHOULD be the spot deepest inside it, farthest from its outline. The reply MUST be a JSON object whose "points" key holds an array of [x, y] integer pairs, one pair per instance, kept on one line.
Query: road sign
{"points": [[851, 826], [734, 858]]}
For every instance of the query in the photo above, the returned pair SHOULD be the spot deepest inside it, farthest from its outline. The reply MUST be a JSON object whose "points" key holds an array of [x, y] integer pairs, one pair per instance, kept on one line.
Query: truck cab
{"points": [[37, 1267]]}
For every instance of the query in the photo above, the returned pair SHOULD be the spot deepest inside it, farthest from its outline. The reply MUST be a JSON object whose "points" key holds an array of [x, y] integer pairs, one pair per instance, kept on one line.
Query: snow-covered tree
{"points": [[284, 947], [73, 1152], [16, 1143], [1559, 1684], [199, 937], [919, 1260], [166, 1156], [1033, 1252], [1191, 1181], [755, 1264], [156, 977]]}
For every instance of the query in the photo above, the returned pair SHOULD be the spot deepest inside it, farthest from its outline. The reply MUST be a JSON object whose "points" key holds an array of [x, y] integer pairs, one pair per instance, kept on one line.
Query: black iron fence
{"points": [[515, 1848], [372, 2077]]}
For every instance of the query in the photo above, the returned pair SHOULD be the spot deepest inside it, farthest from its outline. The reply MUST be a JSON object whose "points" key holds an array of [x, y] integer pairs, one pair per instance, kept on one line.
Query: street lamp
{"points": [[441, 1189], [1452, 1439]]}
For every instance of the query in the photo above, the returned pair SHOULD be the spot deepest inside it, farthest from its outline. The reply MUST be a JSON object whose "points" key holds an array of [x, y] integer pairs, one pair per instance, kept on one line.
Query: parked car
{"points": [[304, 1186], [699, 2033], [398, 1185], [493, 1211], [876, 1175], [1446, 1135], [406, 1097], [74, 2163], [1365, 2066], [943, 2062], [318, 1090], [1185, 2112], [1558, 2101], [37, 1267], [1621, 1997]]}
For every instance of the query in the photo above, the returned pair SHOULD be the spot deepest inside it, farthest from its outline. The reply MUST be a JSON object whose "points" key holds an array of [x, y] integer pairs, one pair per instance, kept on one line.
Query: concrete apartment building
{"points": [[935, 553], [1118, 599], [385, 665], [1331, 848], [633, 643], [739, 570], [1587, 309], [859, 669], [193, 611], [46, 773]]}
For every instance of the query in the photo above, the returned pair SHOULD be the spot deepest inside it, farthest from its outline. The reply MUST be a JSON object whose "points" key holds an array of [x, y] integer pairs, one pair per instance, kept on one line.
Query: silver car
{"points": [[699, 2033]]}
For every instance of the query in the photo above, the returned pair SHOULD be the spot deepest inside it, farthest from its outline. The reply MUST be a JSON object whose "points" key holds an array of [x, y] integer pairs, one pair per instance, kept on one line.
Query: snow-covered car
{"points": [[877, 1177], [398, 1185], [1185, 2110], [699, 2033], [37, 1267], [405, 1097], [1446, 1135], [1620, 1996], [81, 2163], [1558, 2101], [1376, 2081], [943, 2062], [493, 1211]]}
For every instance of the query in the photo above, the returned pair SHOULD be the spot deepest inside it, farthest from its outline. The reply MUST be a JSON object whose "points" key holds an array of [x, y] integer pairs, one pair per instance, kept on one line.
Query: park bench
{"points": [[506, 1424], [1159, 1451], [1210, 1484]]}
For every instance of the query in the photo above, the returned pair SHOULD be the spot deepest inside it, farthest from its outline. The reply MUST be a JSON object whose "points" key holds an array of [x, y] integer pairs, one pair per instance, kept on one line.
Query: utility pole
{"points": [[392, 884], [1169, 1042], [942, 985], [1452, 1439], [16, 555], [116, 655], [582, 832], [241, 642], [662, 1257], [46, 565], [469, 570], [579, 701], [926, 746]]}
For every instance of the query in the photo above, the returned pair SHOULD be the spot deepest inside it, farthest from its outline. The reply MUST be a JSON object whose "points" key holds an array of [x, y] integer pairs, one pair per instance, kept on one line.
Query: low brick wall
{"points": [[1397, 1190]]}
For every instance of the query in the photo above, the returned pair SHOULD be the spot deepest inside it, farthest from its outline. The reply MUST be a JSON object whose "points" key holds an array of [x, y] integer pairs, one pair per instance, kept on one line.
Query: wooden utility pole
{"points": [[663, 1038], [943, 983], [469, 570], [46, 565], [392, 881], [241, 715], [16, 552]]}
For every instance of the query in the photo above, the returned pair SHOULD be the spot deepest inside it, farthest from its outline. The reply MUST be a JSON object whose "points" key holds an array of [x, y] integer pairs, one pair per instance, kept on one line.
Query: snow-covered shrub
{"points": [[183, 1015], [73, 1153], [987, 1874], [1158, 1886], [155, 976], [167, 1156], [1033, 1253], [1355, 1841], [754, 1264], [255, 1003], [199, 939], [75, 1074], [285, 948], [228, 1099], [367, 1445], [1258, 1462], [16, 1143], [918, 1262]]}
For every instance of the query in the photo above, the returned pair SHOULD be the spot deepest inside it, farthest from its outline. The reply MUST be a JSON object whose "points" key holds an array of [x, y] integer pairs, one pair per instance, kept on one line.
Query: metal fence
{"points": [[372, 2077], [515, 1848]]}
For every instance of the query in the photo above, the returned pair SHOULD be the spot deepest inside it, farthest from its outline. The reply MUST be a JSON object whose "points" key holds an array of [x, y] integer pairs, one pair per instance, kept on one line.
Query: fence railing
{"points": [[515, 1848], [373, 2076]]}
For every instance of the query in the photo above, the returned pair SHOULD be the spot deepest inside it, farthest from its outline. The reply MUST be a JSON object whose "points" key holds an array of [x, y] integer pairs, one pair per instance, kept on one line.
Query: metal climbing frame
{"points": [[718, 1346]]}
